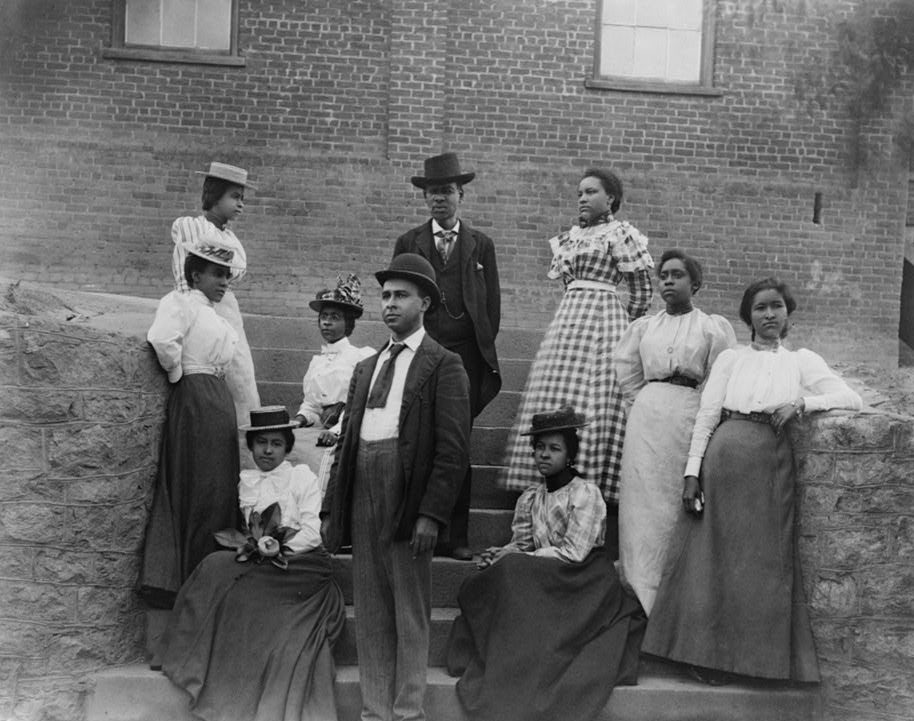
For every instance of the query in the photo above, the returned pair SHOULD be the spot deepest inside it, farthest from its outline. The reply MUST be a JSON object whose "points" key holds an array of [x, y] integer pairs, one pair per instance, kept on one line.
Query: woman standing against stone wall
{"points": [[733, 600]]}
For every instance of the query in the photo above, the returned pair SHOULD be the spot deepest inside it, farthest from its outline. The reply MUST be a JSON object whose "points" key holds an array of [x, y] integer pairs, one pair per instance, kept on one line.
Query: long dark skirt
{"points": [[733, 600], [541, 639], [250, 642], [196, 491]]}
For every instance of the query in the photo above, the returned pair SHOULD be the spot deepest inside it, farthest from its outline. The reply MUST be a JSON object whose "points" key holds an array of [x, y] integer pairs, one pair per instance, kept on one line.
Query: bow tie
{"points": [[444, 242]]}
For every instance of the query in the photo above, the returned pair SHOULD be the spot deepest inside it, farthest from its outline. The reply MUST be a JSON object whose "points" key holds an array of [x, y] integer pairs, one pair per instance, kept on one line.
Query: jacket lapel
{"points": [[466, 249], [425, 243]]}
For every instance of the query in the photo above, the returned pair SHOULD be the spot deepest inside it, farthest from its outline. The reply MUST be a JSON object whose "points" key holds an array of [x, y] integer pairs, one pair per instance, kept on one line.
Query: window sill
{"points": [[173, 56], [648, 86]]}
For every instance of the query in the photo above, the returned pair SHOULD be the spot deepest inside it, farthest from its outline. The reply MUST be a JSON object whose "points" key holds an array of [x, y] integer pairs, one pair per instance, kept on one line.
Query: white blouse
{"points": [[298, 493], [189, 336], [659, 346], [760, 381], [190, 230], [327, 380]]}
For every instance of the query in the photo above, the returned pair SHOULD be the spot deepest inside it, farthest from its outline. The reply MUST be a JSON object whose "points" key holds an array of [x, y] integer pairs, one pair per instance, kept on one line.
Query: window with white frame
{"points": [[176, 30], [655, 42]]}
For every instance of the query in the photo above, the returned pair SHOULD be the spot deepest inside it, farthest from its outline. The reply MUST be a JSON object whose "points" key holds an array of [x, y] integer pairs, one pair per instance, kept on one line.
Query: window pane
{"points": [[686, 15], [619, 12], [142, 22], [214, 28], [685, 56], [617, 51], [654, 13], [650, 53], [178, 28]]}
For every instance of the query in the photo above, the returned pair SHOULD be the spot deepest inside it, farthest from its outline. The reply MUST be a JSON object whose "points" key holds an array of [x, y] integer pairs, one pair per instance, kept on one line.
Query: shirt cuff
{"points": [[174, 375], [693, 467]]}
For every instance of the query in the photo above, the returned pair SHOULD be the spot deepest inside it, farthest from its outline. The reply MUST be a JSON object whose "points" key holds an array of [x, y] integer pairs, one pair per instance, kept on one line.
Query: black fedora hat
{"points": [[439, 169], [268, 418], [557, 420], [415, 268]]}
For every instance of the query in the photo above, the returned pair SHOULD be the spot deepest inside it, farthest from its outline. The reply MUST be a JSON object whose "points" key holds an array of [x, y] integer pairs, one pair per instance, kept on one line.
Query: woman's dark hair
{"points": [[610, 182], [692, 266], [194, 264], [572, 442], [287, 435], [770, 283], [214, 189]]}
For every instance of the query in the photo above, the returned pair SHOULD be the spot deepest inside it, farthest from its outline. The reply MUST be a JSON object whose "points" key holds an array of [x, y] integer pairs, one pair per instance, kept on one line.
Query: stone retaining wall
{"points": [[80, 415]]}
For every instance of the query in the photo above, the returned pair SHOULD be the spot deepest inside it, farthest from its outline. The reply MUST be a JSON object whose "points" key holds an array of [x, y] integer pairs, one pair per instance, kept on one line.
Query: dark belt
{"points": [[679, 380], [755, 416]]}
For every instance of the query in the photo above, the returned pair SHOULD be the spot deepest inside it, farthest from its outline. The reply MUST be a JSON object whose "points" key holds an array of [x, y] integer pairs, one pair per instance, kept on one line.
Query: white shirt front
{"points": [[189, 336], [381, 423], [327, 379]]}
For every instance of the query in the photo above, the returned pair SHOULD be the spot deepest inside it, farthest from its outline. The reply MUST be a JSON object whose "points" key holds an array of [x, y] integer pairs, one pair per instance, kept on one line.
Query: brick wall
{"points": [[339, 103]]}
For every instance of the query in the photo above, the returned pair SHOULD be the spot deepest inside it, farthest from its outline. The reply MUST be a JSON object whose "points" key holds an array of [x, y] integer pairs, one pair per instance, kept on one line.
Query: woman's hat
{"points": [[268, 418], [413, 267], [557, 420], [210, 247], [441, 169], [348, 294], [231, 173]]}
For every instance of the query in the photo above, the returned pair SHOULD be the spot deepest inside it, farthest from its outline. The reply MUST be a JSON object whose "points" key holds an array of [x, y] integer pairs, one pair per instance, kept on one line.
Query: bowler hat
{"points": [[557, 420], [268, 418], [441, 169], [347, 294], [231, 173], [415, 268]]}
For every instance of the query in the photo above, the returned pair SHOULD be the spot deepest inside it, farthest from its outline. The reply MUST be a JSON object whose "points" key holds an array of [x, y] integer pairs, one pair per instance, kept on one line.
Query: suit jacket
{"points": [[434, 443], [481, 289]]}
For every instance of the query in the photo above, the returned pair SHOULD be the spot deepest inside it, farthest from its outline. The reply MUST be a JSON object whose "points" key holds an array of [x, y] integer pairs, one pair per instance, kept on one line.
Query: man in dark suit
{"points": [[467, 319], [402, 453]]}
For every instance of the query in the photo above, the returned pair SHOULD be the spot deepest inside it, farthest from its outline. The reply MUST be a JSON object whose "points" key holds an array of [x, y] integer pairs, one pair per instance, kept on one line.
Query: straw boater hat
{"points": [[415, 268], [268, 418], [441, 169], [347, 294], [231, 173], [557, 420], [210, 247]]}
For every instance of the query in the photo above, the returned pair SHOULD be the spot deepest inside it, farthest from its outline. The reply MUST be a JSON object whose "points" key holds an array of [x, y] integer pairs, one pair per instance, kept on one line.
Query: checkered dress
{"points": [[573, 365]]}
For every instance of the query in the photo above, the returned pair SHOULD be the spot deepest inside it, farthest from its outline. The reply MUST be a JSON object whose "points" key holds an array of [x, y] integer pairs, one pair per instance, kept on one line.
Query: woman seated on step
{"points": [[546, 630], [250, 633], [326, 382], [733, 600]]}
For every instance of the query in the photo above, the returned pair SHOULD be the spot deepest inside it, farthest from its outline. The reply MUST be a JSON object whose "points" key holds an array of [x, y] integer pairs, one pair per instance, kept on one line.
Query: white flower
{"points": [[268, 546]]}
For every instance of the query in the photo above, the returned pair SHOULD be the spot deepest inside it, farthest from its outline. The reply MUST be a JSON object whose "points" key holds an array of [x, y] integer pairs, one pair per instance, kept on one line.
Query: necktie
{"points": [[377, 398], [444, 241]]}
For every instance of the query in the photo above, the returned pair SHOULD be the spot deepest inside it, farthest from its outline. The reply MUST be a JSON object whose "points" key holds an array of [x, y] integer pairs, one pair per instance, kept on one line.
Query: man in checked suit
{"points": [[402, 453], [467, 319]]}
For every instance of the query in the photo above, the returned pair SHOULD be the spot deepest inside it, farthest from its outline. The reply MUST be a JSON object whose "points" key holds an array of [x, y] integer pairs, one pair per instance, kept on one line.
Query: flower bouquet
{"points": [[262, 538]]}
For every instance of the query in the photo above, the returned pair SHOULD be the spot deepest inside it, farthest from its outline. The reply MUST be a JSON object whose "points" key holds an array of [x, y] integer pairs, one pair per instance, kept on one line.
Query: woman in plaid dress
{"points": [[573, 366]]}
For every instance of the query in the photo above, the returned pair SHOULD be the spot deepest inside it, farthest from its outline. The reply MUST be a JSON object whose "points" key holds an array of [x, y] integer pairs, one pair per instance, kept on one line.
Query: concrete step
{"points": [[135, 693]]}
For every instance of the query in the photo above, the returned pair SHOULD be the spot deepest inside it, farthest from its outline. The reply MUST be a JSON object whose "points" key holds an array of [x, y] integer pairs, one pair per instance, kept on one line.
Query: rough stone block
{"points": [[834, 595], [885, 642], [82, 649], [815, 467], [818, 500], [130, 486], [33, 522], [904, 537], [47, 699], [851, 547], [29, 485], [123, 406], [98, 606], [129, 527], [92, 527], [887, 591], [869, 692], [17, 563], [39, 602], [81, 450], [873, 470], [847, 431], [21, 448], [36, 405], [879, 500]]}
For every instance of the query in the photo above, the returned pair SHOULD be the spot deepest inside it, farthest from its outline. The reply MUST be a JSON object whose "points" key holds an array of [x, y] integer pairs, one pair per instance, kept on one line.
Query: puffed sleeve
{"points": [[306, 490], [166, 335], [627, 360], [629, 250], [522, 525], [721, 336], [310, 408], [828, 391], [586, 515], [712, 402], [247, 492], [556, 245]]}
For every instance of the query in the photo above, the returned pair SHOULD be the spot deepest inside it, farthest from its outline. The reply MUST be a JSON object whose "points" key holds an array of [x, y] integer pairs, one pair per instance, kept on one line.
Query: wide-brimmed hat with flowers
{"points": [[557, 420], [231, 173], [268, 418], [347, 294], [440, 169]]}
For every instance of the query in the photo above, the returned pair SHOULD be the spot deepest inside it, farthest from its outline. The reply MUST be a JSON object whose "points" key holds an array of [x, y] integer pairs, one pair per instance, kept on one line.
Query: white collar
{"points": [[411, 341], [437, 228], [341, 345]]}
